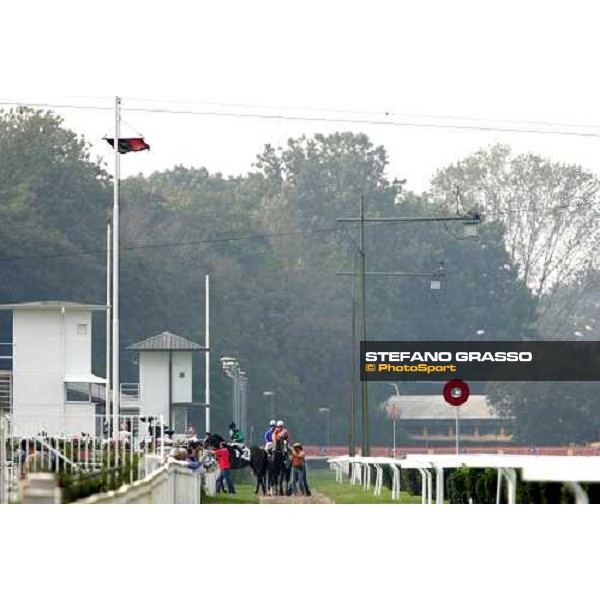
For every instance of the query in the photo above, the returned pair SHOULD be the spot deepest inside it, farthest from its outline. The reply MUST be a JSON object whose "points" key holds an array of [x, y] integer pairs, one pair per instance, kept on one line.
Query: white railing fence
{"points": [[171, 484], [129, 449], [569, 470]]}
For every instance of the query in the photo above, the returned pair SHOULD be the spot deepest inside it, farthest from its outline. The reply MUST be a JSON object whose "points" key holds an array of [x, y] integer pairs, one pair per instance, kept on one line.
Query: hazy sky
{"points": [[534, 61]]}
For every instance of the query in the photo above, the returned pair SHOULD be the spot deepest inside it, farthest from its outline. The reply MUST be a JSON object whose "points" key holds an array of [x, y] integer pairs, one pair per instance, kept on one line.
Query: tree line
{"points": [[270, 241]]}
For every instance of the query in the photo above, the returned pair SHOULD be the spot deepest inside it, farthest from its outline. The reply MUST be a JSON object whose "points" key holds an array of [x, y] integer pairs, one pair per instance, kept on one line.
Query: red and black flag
{"points": [[129, 144]]}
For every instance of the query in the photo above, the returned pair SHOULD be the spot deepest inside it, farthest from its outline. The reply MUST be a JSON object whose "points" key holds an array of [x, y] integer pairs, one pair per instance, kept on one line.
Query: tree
{"points": [[269, 240], [550, 412], [53, 203], [548, 210]]}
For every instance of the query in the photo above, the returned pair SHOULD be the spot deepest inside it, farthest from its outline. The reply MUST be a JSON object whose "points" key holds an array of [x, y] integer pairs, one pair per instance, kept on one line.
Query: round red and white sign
{"points": [[456, 392]]}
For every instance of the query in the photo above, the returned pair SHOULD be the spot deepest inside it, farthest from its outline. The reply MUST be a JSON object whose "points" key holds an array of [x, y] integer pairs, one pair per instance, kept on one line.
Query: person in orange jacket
{"points": [[299, 469]]}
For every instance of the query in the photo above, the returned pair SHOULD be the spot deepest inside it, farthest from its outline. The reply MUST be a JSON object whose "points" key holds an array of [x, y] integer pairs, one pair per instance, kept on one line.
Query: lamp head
{"points": [[471, 226]]}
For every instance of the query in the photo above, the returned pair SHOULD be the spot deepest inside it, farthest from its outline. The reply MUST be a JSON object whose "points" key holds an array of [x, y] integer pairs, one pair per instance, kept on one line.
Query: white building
{"points": [[165, 366], [53, 387]]}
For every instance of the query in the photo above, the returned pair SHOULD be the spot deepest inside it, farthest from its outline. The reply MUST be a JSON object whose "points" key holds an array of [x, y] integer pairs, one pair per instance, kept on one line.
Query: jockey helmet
{"points": [[272, 423], [279, 423]]}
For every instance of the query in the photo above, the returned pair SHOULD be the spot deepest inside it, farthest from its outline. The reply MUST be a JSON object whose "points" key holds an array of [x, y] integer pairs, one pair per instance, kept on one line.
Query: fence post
{"points": [[3, 464]]}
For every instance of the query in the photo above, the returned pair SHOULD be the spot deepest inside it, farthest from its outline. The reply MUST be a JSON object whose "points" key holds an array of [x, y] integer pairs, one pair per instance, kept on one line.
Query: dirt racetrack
{"points": [[316, 498]]}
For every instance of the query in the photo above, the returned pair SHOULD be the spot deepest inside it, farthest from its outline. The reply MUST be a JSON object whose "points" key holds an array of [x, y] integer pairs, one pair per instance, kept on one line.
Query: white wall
{"points": [[77, 418], [154, 381], [154, 384], [78, 345], [47, 346], [182, 386], [38, 366]]}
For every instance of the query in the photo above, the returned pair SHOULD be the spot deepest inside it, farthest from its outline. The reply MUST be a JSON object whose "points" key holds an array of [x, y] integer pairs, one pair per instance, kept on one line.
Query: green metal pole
{"points": [[363, 330], [352, 408]]}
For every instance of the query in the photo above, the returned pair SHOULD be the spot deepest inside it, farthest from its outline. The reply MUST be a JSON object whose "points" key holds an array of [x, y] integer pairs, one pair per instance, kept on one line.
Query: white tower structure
{"points": [[53, 387], [165, 364]]}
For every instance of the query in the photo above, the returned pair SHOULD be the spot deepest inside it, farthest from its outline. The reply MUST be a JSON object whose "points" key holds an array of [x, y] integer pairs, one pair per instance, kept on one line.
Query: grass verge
{"points": [[244, 494], [324, 481]]}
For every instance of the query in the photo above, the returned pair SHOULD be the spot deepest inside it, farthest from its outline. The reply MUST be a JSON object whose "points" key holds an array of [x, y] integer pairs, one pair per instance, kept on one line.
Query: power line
{"points": [[274, 117], [387, 113], [310, 119], [242, 237]]}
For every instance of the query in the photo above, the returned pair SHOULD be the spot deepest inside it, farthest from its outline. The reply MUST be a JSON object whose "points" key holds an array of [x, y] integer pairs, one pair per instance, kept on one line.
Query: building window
{"points": [[181, 374], [78, 392], [85, 392], [81, 328]]}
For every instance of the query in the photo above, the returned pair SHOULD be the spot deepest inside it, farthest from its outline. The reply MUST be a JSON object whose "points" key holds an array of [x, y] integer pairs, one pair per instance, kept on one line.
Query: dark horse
{"points": [[259, 463], [279, 468], [258, 459]]}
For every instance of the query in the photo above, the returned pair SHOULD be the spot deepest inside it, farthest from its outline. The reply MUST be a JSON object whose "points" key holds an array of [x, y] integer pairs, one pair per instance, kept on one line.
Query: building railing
{"points": [[5, 392]]}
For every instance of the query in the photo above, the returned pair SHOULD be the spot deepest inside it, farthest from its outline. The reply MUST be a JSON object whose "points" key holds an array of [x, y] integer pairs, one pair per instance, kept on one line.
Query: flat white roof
{"points": [[51, 304], [85, 378]]}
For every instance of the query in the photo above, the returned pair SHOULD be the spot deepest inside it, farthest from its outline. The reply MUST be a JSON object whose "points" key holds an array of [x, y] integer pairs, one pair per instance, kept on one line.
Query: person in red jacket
{"points": [[222, 455]]}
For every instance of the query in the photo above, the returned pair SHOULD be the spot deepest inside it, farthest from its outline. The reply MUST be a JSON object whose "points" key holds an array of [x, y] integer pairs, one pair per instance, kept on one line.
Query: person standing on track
{"points": [[222, 455], [299, 470]]}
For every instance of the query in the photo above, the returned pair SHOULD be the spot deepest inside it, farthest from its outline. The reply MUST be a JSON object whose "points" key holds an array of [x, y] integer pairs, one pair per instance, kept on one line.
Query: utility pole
{"points": [[364, 390], [352, 407], [471, 224]]}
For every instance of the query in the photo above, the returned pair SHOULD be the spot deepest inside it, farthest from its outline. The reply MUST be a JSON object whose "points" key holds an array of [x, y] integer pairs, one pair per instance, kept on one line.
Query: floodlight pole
{"points": [[115, 285], [207, 354], [271, 396]]}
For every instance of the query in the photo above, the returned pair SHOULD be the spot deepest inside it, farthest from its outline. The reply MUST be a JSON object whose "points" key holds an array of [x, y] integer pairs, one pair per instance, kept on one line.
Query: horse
{"points": [[259, 463], [213, 440], [240, 458], [279, 468]]}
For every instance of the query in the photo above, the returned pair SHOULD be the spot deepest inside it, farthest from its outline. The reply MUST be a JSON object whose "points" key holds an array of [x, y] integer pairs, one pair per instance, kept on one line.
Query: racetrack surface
{"points": [[316, 498]]}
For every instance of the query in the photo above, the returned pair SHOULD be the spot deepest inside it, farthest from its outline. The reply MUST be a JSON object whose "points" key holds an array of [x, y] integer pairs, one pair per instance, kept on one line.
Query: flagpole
{"points": [[107, 393], [115, 286], [207, 355]]}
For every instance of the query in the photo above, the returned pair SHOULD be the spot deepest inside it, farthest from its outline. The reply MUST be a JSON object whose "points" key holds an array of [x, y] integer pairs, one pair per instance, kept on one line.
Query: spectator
{"points": [[222, 455], [192, 459], [177, 455]]}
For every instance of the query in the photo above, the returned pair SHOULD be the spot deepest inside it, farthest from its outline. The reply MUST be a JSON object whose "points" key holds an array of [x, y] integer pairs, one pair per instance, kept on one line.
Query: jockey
{"points": [[235, 434], [280, 432], [269, 432]]}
